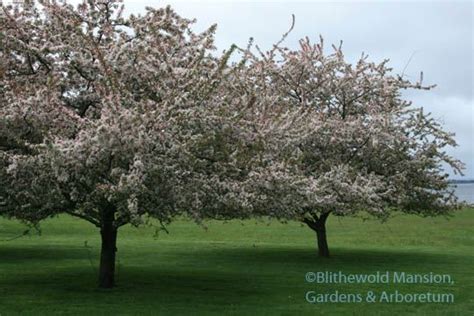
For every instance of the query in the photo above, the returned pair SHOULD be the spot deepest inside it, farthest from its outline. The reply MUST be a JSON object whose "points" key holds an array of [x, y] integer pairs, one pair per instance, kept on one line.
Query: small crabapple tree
{"points": [[346, 143]]}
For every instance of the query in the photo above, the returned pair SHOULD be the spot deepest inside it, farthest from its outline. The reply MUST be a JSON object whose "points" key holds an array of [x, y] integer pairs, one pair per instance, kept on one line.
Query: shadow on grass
{"points": [[219, 280], [287, 256], [230, 260], [234, 256], [219, 276], [155, 284], [10, 254]]}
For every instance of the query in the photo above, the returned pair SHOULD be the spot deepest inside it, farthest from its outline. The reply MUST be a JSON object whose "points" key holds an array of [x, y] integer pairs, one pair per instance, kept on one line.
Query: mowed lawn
{"points": [[234, 268]]}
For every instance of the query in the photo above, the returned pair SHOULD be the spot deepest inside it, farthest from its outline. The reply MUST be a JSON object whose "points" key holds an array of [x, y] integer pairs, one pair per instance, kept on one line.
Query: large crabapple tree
{"points": [[350, 145], [112, 119]]}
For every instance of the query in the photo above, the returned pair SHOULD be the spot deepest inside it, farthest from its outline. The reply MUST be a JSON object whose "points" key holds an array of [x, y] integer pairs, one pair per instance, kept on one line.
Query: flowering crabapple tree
{"points": [[350, 143], [111, 118]]}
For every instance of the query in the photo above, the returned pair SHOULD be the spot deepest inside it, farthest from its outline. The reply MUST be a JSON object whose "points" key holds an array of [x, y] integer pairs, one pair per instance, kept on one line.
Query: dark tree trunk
{"points": [[319, 226], [323, 249], [108, 233]]}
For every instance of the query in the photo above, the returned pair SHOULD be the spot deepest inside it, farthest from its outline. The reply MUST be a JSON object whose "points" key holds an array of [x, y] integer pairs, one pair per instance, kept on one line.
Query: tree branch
{"points": [[84, 217]]}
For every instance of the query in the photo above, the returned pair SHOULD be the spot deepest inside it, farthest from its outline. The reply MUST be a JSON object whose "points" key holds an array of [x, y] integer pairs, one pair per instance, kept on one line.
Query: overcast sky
{"points": [[437, 35]]}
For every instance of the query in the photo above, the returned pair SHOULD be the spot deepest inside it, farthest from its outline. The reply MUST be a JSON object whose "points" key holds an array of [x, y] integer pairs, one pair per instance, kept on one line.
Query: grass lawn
{"points": [[235, 268]]}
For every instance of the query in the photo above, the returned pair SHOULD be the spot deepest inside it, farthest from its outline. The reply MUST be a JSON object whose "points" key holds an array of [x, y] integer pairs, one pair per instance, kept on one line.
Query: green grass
{"points": [[235, 268]]}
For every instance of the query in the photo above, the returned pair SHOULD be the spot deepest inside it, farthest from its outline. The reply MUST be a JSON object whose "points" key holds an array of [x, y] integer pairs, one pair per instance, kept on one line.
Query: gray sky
{"points": [[437, 34]]}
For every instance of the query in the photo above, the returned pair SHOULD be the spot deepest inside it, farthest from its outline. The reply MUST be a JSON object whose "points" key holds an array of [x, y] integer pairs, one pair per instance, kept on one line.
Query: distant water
{"points": [[465, 192]]}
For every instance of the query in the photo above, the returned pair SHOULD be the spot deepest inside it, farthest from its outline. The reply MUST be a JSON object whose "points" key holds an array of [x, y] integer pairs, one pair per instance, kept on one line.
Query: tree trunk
{"points": [[107, 256], [323, 249], [319, 226]]}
